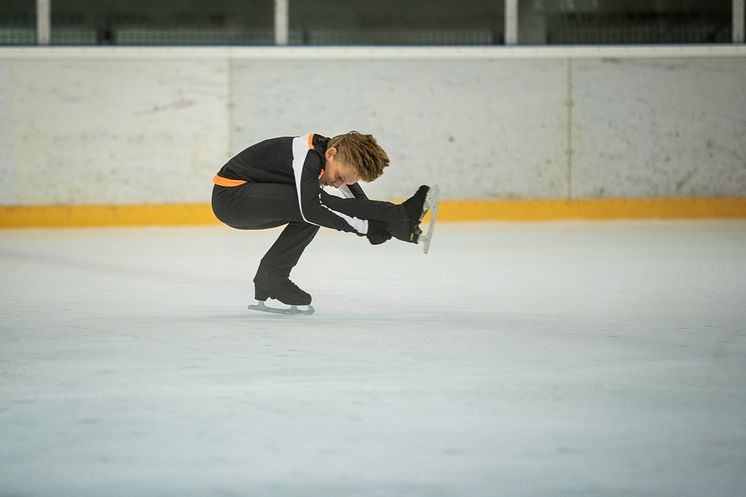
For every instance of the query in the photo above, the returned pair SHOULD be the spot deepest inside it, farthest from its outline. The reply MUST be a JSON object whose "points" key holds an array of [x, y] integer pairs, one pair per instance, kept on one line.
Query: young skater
{"points": [[279, 181]]}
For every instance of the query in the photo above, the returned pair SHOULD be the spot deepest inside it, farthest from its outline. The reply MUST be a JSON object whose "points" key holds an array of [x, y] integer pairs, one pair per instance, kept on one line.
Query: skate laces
{"points": [[287, 286]]}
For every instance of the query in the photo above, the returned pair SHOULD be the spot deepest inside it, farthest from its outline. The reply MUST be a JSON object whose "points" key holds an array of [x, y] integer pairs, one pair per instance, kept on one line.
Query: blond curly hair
{"points": [[361, 152]]}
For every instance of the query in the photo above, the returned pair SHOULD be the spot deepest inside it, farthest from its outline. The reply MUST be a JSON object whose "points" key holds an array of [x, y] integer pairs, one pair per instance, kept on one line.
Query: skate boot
{"points": [[416, 207], [287, 293]]}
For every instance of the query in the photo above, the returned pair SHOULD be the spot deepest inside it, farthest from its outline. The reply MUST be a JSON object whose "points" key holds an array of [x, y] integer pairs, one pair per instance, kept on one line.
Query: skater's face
{"points": [[337, 173]]}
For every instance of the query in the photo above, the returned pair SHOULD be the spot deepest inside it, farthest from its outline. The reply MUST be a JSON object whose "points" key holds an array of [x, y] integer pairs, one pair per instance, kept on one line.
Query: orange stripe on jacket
{"points": [[310, 140], [220, 181]]}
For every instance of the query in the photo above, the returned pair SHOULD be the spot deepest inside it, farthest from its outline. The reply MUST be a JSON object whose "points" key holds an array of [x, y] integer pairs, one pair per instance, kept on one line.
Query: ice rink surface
{"points": [[562, 359]]}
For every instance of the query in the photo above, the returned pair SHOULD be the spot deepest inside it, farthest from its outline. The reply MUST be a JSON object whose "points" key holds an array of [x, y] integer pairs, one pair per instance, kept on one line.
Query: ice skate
{"points": [[425, 199], [290, 299], [431, 204]]}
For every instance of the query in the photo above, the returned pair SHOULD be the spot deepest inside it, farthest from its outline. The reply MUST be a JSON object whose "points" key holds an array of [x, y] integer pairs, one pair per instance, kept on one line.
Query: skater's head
{"points": [[352, 157]]}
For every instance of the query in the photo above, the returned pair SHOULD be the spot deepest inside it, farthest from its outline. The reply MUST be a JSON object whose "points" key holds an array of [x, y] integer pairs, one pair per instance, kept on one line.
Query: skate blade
{"points": [[433, 197], [293, 310], [428, 203]]}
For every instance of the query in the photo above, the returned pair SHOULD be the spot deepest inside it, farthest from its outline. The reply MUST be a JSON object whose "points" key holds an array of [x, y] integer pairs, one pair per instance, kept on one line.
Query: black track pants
{"points": [[255, 206]]}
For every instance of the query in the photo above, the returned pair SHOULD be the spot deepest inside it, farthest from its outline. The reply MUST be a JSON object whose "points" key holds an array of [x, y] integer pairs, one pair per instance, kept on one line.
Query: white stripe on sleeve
{"points": [[300, 152], [346, 191], [359, 225]]}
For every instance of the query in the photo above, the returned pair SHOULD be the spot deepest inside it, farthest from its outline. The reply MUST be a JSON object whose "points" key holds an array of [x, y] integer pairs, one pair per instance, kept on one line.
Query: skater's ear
{"points": [[330, 153]]}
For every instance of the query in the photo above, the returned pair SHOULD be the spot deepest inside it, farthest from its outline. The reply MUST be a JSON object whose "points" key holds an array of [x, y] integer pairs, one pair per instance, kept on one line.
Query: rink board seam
{"points": [[65, 216]]}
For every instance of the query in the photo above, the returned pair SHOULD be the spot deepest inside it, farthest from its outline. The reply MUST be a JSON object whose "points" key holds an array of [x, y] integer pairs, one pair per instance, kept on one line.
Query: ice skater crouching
{"points": [[279, 181]]}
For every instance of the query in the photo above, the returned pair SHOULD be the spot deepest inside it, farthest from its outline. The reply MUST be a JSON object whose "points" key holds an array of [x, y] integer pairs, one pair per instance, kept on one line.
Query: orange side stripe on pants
{"points": [[220, 181]]}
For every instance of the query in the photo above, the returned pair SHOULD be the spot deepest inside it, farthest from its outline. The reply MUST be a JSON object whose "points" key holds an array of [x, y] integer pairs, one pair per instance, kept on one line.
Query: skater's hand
{"points": [[377, 233]]}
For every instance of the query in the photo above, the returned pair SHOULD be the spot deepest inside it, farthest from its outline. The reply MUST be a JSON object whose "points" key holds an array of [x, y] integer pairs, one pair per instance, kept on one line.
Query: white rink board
{"points": [[7, 136], [526, 360], [138, 125], [114, 131], [659, 128], [464, 125]]}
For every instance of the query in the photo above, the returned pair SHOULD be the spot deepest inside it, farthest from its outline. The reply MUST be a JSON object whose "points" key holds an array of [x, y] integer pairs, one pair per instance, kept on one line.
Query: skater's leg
{"points": [[256, 205], [265, 205], [283, 255], [364, 208], [400, 220], [394, 217]]}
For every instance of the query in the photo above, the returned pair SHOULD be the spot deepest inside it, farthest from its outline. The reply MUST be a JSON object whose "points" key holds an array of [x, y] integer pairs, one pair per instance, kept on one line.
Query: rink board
{"points": [[138, 126]]}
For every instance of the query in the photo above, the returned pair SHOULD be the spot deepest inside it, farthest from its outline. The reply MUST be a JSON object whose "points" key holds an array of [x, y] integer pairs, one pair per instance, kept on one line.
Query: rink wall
{"points": [[127, 136]]}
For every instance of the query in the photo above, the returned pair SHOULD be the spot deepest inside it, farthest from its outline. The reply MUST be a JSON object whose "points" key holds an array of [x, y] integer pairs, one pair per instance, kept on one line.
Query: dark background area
{"points": [[365, 22]]}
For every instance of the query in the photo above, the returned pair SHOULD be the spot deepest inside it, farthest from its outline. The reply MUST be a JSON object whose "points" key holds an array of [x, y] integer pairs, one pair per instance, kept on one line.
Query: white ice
{"points": [[562, 359]]}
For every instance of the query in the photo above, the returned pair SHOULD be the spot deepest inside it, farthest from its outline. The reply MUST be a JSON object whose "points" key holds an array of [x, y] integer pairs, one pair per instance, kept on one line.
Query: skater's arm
{"points": [[312, 208]]}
